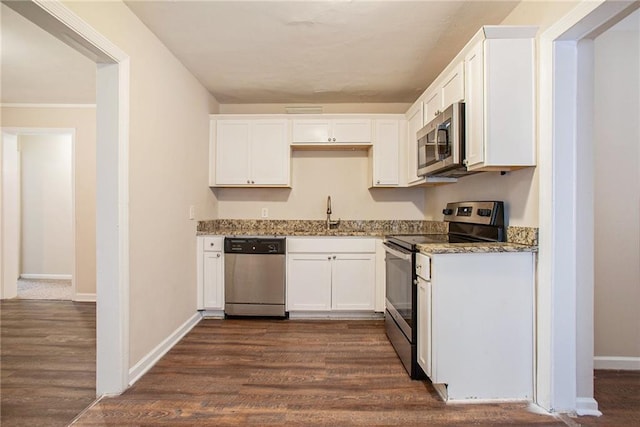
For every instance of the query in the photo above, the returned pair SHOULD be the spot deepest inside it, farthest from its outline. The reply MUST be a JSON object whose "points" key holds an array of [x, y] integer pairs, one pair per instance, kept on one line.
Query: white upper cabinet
{"points": [[446, 90], [414, 124], [386, 152], [249, 153], [331, 131], [500, 99]]}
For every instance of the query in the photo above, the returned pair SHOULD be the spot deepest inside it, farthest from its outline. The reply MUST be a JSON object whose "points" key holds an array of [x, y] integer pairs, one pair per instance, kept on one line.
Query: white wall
{"points": [[83, 120], [316, 175], [168, 173], [46, 204], [617, 190]]}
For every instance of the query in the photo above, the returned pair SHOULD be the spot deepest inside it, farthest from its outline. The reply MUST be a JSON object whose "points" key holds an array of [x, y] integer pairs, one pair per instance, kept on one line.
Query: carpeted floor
{"points": [[44, 289]]}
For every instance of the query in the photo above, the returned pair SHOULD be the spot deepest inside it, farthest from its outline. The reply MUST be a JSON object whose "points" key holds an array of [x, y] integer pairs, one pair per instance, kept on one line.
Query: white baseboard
{"points": [[613, 362], [45, 276], [587, 406], [84, 297], [156, 354]]}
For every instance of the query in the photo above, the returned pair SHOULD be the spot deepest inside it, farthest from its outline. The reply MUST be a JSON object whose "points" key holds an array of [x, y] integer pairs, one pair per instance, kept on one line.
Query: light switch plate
{"points": [[192, 212], [265, 213]]}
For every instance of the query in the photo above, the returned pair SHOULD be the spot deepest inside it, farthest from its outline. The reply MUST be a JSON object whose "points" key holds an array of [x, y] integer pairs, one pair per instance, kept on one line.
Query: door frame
{"points": [[564, 351], [112, 183]]}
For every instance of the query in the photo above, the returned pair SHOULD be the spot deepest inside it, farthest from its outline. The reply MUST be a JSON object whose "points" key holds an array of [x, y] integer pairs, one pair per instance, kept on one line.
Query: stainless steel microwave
{"points": [[441, 149]]}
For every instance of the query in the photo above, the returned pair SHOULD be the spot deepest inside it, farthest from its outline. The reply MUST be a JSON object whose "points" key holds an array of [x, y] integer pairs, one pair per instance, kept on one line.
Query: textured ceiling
{"points": [[317, 51], [267, 51]]}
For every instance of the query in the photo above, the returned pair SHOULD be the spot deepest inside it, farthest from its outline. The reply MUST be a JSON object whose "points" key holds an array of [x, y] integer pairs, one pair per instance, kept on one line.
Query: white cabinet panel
{"points": [[213, 281], [452, 89], [474, 109], [269, 153], [424, 326], [386, 152], [232, 152], [432, 105], [311, 131], [414, 124], [352, 282], [351, 130], [309, 282]]}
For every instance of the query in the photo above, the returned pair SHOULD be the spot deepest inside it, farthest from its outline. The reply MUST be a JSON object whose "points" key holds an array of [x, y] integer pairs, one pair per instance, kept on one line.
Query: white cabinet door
{"points": [[432, 105], [309, 282], [311, 130], [328, 131], [424, 326], [351, 130], [269, 156], [474, 108], [232, 152], [386, 150], [453, 86], [414, 124], [213, 281], [353, 282]]}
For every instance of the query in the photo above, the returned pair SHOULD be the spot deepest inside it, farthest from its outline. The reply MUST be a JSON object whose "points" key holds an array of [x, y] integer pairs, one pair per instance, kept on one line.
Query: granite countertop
{"points": [[370, 228], [520, 239], [483, 247]]}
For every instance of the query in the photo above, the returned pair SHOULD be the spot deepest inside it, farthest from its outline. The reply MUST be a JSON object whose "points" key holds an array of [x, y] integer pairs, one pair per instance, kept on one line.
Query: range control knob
{"points": [[484, 212], [447, 211]]}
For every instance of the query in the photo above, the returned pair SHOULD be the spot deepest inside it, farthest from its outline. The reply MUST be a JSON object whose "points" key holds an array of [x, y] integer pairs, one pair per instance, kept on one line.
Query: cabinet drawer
{"points": [[423, 266], [213, 244], [331, 245]]}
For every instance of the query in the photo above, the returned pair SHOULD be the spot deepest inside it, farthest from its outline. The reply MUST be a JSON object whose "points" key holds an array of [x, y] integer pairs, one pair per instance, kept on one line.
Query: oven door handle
{"points": [[397, 253]]}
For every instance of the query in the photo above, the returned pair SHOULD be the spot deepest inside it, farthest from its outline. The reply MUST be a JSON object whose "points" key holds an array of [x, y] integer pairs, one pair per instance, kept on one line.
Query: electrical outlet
{"points": [[265, 213], [192, 212]]}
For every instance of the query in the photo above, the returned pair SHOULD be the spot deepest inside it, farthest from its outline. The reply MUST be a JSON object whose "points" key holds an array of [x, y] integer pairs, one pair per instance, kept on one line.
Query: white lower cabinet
{"points": [[331, 274], [210, 274], [475, 325]]}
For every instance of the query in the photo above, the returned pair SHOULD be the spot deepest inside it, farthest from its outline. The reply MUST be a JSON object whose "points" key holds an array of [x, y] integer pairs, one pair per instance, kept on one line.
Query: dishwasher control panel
{"points": [[254, 245]]}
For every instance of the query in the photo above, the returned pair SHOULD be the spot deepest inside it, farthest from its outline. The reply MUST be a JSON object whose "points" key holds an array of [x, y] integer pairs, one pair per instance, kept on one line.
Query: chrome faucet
{"points": [[331, 223]]}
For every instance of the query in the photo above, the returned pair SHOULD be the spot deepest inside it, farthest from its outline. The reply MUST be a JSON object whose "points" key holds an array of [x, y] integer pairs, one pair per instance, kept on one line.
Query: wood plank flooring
{"points": [[47, 361], [248, 372], [270, 372]]}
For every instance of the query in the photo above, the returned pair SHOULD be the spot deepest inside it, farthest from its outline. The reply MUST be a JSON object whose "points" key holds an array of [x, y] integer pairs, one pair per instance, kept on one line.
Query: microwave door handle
{"points": [[443, 141], [402, 255]]}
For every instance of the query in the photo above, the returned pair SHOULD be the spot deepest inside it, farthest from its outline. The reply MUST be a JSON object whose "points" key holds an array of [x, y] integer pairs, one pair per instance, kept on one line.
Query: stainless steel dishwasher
{"points": [[254, 276]]}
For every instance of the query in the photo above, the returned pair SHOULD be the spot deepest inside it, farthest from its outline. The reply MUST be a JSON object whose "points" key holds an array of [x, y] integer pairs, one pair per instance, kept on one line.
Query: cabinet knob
{"points": [[378, 182], [334, 257], [211, 244], [328, 139], [217, 255], [329, 257], [248, 182], [334, 140]]}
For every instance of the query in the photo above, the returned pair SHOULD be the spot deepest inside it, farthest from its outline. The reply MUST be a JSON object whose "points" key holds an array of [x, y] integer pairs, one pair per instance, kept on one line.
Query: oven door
{"points": [[399, 288]]}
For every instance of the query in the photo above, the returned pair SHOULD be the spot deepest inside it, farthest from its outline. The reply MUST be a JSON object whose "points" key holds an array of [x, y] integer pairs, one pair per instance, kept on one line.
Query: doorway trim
{"points": [[565, 284], [112, 184]]}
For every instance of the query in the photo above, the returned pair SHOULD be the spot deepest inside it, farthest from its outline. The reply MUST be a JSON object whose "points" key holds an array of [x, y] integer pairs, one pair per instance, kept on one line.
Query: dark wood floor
{"points": [[244, 372], [47, 361], [248, 372]]}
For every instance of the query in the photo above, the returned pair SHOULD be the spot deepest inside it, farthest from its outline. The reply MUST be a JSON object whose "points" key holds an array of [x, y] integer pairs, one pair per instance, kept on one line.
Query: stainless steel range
{"points": [[468, 222]]}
